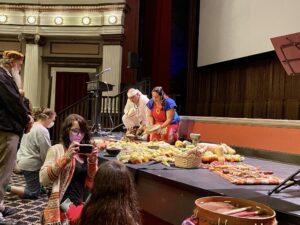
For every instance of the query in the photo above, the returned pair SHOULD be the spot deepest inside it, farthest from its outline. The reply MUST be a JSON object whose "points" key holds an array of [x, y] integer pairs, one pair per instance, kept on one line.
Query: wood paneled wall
{"points": [[252, 87]]}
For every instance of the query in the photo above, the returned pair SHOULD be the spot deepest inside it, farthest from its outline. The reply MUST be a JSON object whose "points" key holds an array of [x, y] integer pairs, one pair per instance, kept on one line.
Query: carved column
{"points": [[32, 68], [112, 58]]}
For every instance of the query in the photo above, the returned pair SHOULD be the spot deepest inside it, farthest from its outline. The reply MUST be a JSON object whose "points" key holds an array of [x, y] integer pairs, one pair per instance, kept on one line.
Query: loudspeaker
{"points": [[133, 60]]}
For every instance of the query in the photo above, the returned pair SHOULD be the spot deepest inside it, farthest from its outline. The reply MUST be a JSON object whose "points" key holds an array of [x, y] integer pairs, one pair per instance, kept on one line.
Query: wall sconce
{"points": [[31, 19], [112, 19], [3, 18], [58, 20], [86, 20]]}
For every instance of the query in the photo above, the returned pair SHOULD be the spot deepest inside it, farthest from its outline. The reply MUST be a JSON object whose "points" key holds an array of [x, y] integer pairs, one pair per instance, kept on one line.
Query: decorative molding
{"points": [[9, 44], [68, 15], [32, 39], [56, 68], [55, 48], [112, 39], [84, 31], [74, 60], [64, 8]]}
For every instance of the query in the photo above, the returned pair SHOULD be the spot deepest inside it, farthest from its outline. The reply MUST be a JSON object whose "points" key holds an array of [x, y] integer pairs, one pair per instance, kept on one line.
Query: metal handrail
{"points": [[111, 109]]}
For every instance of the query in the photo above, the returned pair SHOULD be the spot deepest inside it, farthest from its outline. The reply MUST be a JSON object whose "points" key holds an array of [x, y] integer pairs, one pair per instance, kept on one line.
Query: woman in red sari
{"points": [[162, 112]]}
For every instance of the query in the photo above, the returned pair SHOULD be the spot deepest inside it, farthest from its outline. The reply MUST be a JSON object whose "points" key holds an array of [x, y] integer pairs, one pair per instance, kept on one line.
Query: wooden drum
{"points": [[219, 210]]}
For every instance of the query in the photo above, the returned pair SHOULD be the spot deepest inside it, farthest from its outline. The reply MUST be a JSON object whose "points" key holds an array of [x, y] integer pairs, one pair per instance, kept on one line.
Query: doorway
{"points": [[70, 87]]}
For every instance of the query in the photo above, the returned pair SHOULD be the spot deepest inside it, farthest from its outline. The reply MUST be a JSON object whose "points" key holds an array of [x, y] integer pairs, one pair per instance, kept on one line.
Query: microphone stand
{"points": [[109, 112], [96, 127]]}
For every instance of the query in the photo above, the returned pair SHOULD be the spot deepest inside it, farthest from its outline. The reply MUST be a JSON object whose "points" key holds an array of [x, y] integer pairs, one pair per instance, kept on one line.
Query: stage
{"points": [[169, 193]]}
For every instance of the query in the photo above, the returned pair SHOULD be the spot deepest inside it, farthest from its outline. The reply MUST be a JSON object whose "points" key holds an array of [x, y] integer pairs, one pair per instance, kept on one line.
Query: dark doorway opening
{"points": [[70, 87]]}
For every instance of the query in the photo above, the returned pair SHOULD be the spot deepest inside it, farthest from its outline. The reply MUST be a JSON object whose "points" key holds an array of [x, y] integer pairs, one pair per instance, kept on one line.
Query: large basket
{"points": [[187, 161]]}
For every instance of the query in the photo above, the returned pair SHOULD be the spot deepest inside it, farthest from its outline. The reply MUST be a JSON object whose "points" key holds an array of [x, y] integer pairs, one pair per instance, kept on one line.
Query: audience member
{"points": [[14, 120], [113, 198], [135, 111], [68, 172], [32, 153], [162, 112]]}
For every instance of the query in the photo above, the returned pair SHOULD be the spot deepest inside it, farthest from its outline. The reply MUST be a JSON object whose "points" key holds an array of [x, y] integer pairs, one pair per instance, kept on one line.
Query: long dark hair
{"points": [[66, 126], [159, 90], [113, 200]]}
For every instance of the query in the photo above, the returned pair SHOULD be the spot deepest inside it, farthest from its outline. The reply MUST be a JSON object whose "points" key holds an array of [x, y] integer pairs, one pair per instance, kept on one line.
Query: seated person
{"points": [[135, 111], [113, 198], [162, 112], [68, 172], [32, 153]]}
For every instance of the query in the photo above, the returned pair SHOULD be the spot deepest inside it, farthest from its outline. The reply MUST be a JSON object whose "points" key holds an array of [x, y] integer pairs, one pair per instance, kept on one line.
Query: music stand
{"points": [[288, 182], [287, 48], [95, 88]]}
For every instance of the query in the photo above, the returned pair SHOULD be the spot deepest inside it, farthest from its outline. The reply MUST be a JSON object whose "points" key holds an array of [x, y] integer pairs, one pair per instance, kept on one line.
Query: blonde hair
{"points": [[43, 113]]}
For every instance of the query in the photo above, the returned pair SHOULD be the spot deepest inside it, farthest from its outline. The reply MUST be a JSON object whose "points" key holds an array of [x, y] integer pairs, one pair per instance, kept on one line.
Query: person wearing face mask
{"points": [[69, 172], [14, 121], [32, 153]]}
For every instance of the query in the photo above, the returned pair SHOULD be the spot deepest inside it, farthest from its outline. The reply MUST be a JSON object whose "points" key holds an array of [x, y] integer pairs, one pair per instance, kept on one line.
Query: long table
{"points": [[169, 193]]}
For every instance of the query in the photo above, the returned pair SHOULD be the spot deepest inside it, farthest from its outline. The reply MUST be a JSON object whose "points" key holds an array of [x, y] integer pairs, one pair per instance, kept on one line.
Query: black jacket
{"points": [[13, 113]]}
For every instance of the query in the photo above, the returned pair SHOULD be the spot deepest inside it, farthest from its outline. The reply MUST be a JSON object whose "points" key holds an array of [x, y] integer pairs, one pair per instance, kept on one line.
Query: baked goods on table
{"points": [[213, 152], [102, 143], [242, 173], [220, 152], [136, 153], [140, 152]]}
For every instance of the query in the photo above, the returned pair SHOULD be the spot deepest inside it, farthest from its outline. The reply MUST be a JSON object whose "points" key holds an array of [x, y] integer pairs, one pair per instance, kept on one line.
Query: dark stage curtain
{"points": [[157, 42], [70, 87]]}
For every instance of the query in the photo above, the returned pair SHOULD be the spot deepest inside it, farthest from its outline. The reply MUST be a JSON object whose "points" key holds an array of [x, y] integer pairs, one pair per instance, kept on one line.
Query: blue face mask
{"points": [[76, 137]]}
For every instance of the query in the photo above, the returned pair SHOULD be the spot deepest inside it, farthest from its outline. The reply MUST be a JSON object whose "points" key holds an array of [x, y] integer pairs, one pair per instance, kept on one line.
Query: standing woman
{"points": [[32, 153], [68, 172], [113, 198], [162, 111]]}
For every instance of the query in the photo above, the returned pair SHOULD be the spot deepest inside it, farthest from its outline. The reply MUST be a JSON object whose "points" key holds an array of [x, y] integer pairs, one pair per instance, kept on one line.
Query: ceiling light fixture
{"points": [[58, 20], [31, 19], [112, 20], [3, 18], [86, 20]]}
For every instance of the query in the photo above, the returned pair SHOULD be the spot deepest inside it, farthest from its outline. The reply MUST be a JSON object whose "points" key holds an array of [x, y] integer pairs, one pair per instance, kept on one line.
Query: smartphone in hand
{"points": [[85, 148]]}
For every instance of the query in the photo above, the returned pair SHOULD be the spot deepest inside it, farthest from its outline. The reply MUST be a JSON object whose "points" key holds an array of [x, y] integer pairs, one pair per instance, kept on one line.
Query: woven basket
{"points": [[187, 161]]}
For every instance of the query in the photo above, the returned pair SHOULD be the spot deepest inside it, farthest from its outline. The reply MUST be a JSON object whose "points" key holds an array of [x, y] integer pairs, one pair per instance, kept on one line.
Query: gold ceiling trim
{"points": [[47, 8]]}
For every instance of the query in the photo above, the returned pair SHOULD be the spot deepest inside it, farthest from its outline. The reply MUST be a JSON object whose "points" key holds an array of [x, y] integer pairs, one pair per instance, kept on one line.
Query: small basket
{"points": [[187, 161]]}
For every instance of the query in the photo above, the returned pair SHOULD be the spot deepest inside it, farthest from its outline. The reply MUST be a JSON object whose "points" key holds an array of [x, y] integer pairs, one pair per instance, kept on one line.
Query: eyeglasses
{"points": [[75, 131]]}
